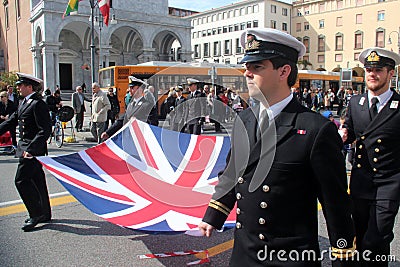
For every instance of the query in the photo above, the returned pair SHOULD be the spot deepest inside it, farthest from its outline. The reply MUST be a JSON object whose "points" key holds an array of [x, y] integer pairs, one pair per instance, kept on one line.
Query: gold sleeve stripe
{"points": [[219, 208], [222, 206]]}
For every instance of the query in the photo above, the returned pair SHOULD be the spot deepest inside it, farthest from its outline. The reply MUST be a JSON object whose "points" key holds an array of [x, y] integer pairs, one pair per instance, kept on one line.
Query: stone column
{"points": [[37, 61], [147, 55], [50, 70], [186, 56], [105, 51]]}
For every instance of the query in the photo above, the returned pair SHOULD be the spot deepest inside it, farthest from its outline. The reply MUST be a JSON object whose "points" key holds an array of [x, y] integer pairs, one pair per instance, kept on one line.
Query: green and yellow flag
{"points": [[72, 8]]}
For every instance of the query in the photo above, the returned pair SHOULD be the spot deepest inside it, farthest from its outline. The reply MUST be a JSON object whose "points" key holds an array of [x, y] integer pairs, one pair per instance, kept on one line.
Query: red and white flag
{"points": [[104, 6]]}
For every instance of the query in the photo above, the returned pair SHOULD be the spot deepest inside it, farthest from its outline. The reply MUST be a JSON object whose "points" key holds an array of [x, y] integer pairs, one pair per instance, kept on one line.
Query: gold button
{"points": [[377, 150], [379, 141], [261, 236], [238, 211], [261, 221], [362, 137], [360, 147], [359, 156], [238, 196], [265, 188], [238, 225], [358, 165], [375, 160], [263, 205], [240, 180], [374, 169]]}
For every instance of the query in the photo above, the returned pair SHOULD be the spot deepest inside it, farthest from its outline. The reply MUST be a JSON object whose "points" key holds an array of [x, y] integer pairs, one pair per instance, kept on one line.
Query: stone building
{"points": [[40, 41]]}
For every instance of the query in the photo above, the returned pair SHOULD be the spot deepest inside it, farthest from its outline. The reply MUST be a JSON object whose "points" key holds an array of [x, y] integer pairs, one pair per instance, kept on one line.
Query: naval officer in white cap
{"points": [[373, 120], [277, 206], [33, 118]]}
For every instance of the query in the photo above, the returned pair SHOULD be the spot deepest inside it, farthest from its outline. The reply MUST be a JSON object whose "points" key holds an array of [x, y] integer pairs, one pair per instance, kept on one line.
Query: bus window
{"points": [[106, 78]]}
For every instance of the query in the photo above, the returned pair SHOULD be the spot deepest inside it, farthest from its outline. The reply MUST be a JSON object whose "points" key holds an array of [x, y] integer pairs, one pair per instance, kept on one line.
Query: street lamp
{"points": [[93, 5], [398, 39]]}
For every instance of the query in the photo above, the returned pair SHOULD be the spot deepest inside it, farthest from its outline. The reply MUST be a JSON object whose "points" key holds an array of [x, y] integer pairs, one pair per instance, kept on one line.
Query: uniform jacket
{"points": [[281, 213], [34, 123], [100, 106], [376, 168], [195, 108], [140, 111], [178, 113], [76, 102]]}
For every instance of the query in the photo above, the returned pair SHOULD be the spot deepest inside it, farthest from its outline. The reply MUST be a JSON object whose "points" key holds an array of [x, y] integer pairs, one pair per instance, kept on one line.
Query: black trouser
{"points": [[13, 134], [194, 128], [79, 119], [31, 185], [374, 222]]}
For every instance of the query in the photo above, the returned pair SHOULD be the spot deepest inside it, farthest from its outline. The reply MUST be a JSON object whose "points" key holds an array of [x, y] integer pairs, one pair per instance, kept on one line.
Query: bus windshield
{"points": [[106, 78]]}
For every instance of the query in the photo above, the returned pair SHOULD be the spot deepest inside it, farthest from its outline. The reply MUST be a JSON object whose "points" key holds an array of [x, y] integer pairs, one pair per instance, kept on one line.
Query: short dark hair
{"points": [[281, 61], [57, 92]]}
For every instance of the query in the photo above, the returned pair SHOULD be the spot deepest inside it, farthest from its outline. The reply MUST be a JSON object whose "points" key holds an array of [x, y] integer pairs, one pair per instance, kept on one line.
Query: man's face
{"points": [[10, 89], [95, 89], [133, 90], [262, 79], [24, 89], [193, 87], [377, 79]]}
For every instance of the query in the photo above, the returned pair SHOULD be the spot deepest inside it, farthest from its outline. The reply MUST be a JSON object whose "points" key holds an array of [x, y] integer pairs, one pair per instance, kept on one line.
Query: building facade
{"points": [[216, 32], [336, 31], [58, 50]]}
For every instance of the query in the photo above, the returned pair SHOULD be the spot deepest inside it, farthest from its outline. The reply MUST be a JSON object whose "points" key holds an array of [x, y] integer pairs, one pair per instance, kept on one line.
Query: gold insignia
{"points": [[373, 57], [252, 43]]}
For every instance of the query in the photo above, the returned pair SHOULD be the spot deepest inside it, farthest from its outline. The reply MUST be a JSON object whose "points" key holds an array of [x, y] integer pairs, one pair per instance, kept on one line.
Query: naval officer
{"points": [[277, 206], [373, 121]]}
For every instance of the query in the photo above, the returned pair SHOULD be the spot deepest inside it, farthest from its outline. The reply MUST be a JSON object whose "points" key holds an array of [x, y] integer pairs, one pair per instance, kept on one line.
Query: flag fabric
{"points": [[72, 8], [145, 177], [104, 6]]}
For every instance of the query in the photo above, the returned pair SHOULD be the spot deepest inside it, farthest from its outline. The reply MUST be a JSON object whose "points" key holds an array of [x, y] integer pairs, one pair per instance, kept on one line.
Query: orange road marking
{"points": [[21, 207]]}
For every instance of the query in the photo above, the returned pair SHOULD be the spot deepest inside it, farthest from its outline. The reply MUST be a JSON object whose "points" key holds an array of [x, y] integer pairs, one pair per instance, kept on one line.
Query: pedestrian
{"points": [[277, 206], [138, 108], [12, 96], [196, 108], [112, 113], [34, 123], [149, 96], [177, 114], [54, 103], [7, 108], [329, 115], [100, 107], [373, 120], [78, 104]]}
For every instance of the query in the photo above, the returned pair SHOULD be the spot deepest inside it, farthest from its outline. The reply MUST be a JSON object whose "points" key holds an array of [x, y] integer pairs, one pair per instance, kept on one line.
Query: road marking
{"points": [[56, 201], [19, 201]]}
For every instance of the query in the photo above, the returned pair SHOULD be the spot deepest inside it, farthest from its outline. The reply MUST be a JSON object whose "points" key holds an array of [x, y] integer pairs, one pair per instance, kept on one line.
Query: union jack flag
{"points": [[145, 177]]}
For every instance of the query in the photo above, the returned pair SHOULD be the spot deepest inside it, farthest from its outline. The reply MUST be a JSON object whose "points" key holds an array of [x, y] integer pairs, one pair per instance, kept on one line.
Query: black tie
{"points": [[263, 123], [22, 104], [373, 110]]}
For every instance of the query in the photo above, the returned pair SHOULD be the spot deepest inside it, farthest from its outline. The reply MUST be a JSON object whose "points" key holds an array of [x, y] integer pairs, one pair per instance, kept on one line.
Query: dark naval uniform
{"points": [[375, 176], [34, 129], [281, 214], [194, 109], [277, 172]]}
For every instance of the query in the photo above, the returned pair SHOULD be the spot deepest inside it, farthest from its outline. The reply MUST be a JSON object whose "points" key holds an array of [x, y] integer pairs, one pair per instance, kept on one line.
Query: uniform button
{"points": [[359, 156], [379, 141], [238, 211], [238, 225], [358, 165], [374, 169], [23, 126], [263, 205], [265, 188], [240, 180], [375, 160], [360, 147], [362, 137], [261, 221], [23, 120], [238, 196], [261, 236], [377, 150]]}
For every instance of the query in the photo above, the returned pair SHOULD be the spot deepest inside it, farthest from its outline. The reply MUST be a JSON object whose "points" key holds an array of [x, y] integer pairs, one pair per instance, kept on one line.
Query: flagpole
{"points": [[92, 46]]}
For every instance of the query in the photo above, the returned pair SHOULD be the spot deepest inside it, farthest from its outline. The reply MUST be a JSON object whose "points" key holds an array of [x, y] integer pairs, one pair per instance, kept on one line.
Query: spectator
{"points": [[78, 103], [329, 115], [149, 96], [112, 113], [100, 107], [7, 108], [12, 96], [54, 103]]}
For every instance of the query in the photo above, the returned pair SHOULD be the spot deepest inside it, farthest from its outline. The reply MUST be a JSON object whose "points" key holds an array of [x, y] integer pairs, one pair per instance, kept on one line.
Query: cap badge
{"points": [[252, 43], [373, 57]]}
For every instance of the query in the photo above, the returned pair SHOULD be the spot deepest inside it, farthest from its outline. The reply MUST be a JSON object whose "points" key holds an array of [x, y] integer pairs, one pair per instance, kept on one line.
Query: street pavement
{"points": [[77, 237]]}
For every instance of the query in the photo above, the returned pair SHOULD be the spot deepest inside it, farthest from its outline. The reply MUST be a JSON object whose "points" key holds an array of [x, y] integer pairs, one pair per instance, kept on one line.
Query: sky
{"points": [[203, 5]]}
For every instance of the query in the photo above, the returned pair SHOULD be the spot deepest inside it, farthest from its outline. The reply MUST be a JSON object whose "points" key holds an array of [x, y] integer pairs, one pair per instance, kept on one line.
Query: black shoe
{"points": [[32, 222]]}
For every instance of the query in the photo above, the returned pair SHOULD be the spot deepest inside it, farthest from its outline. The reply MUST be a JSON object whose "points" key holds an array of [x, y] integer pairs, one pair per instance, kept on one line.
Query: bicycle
{"points": [[57, 133]]}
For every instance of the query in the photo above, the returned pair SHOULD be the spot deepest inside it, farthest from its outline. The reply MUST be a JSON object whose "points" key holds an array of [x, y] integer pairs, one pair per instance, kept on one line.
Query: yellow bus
{"points": [[164, 75]]}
